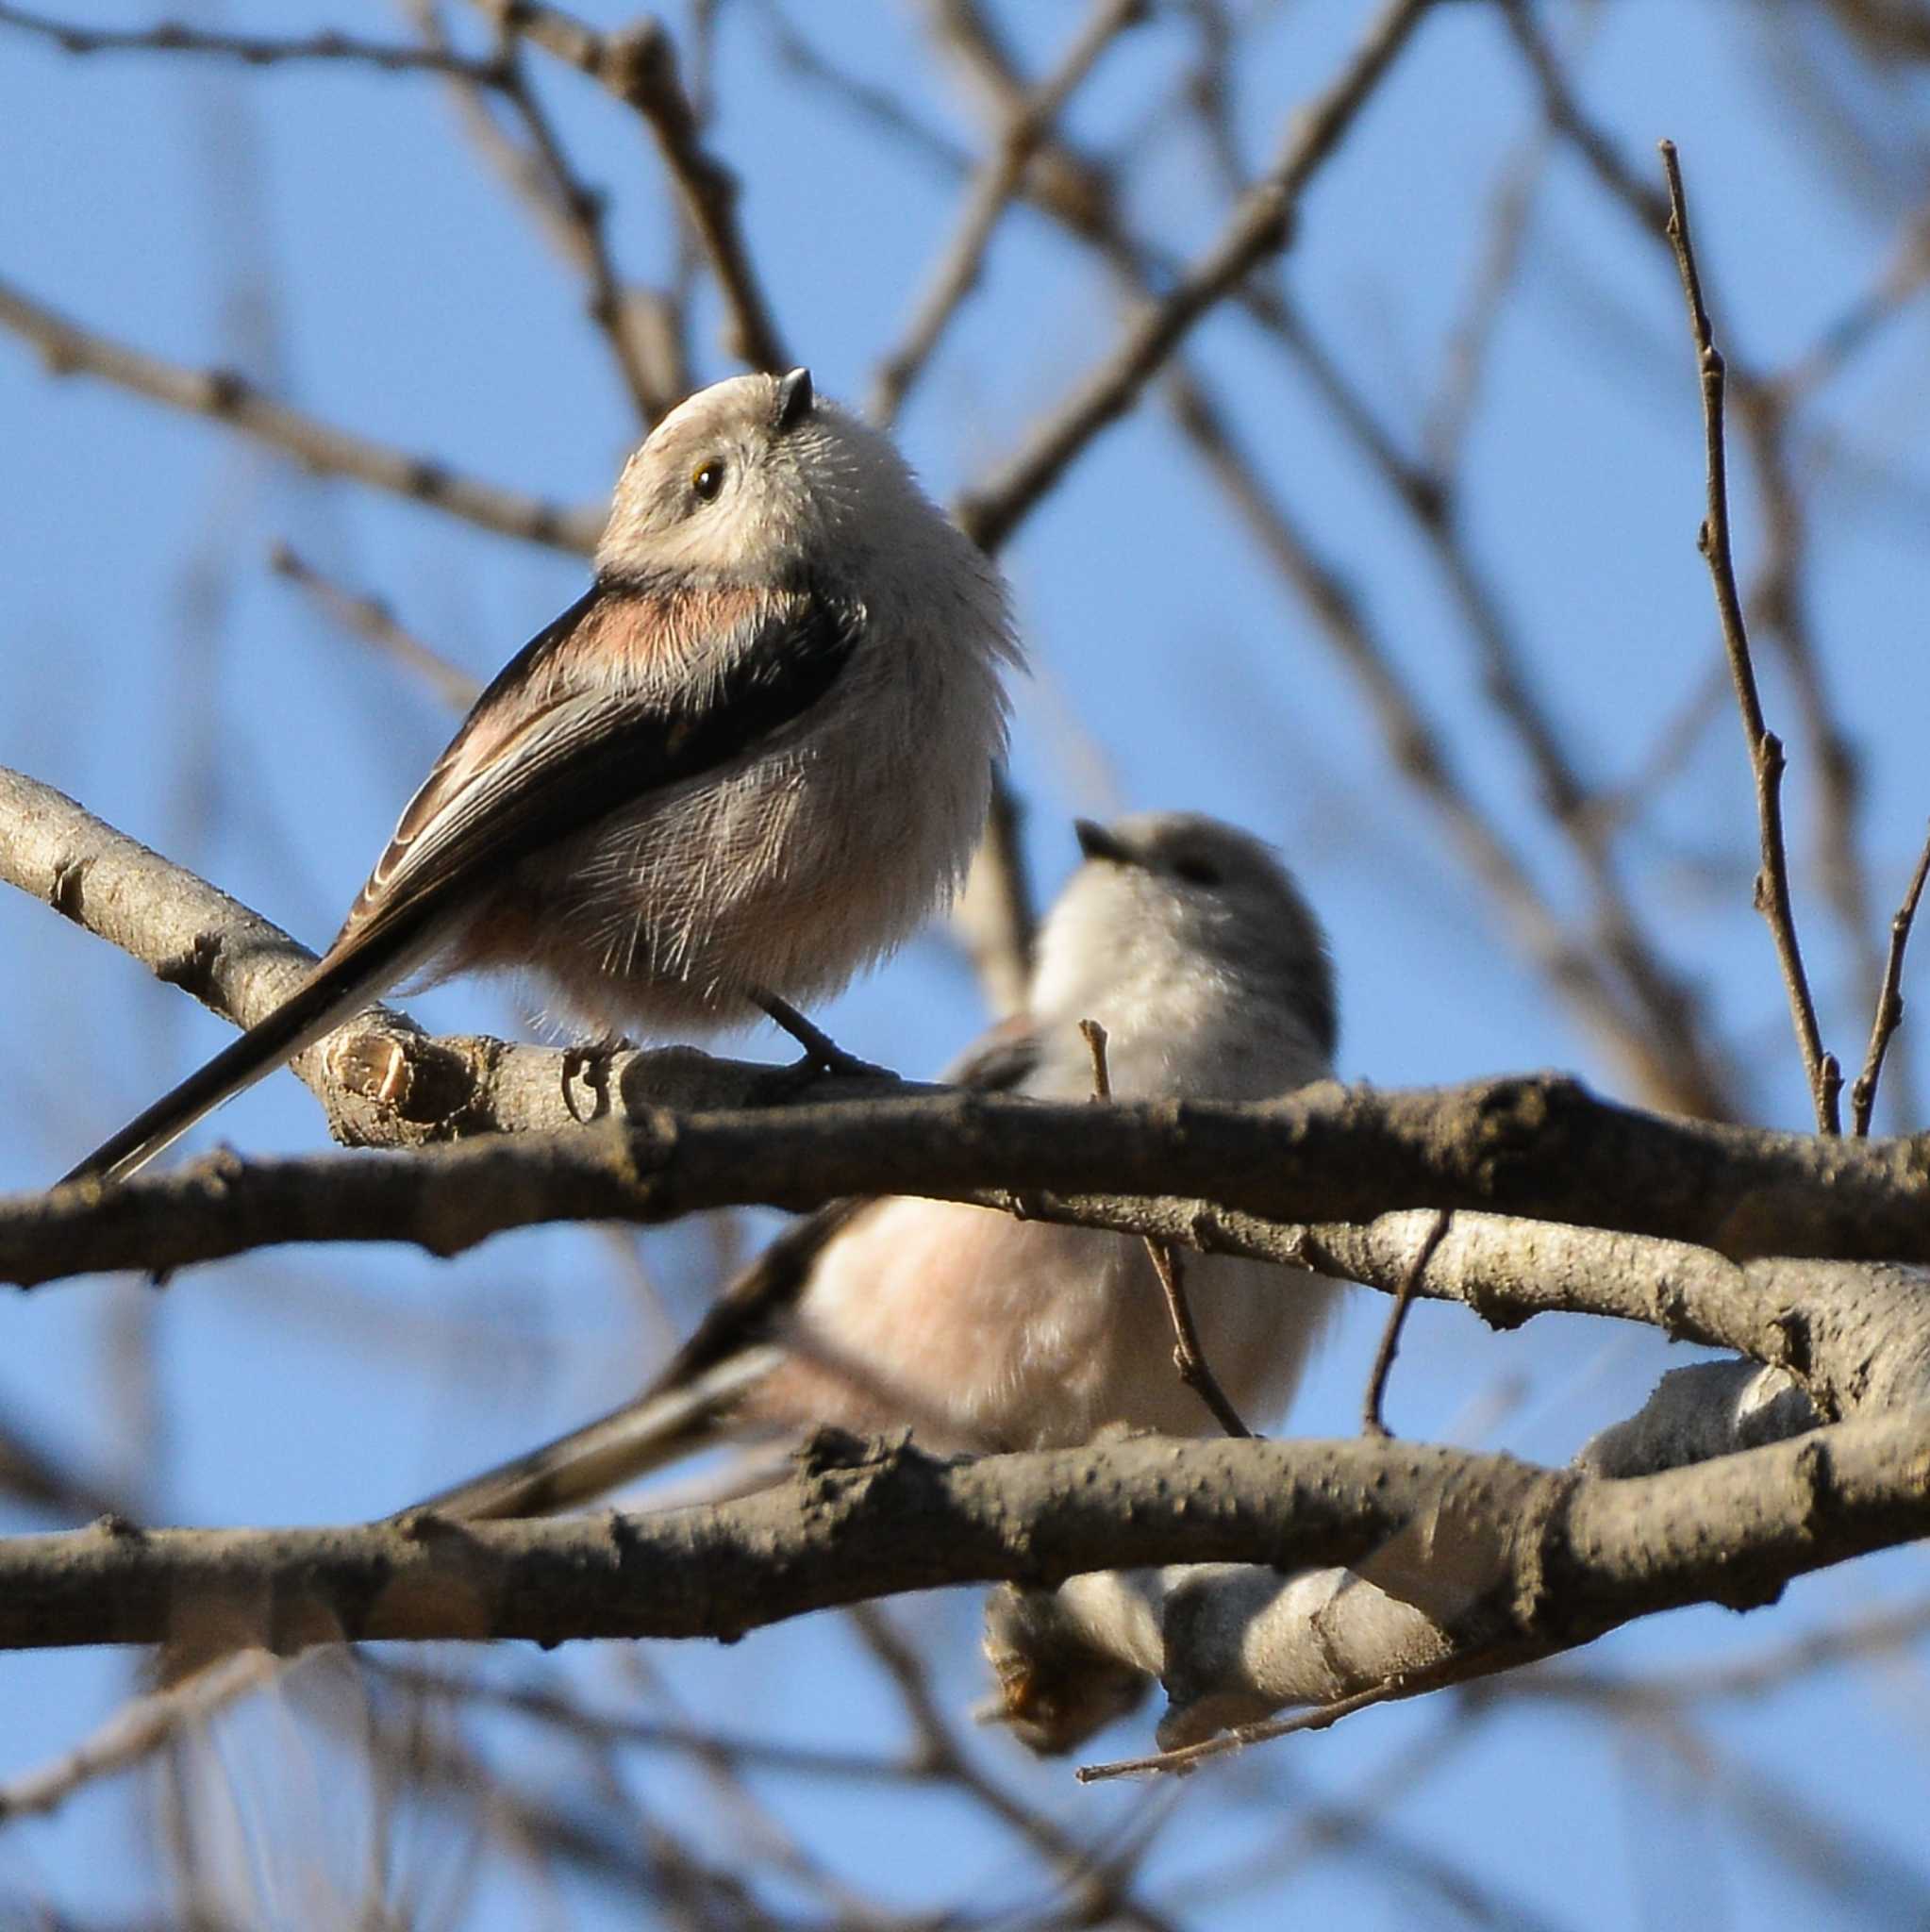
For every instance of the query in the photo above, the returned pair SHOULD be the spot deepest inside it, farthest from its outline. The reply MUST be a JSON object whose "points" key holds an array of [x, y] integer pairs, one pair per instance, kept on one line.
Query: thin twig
{"points": [[1372, 1422], [255, 50], [1870, 1637], [1890, 1000], [1776, 600], [1901, 278], [638, 65], [1451, 410], [986, 201], [136, 1731], [1674, 745], [643, 325], [370, 619], [993, 918], [1778, 604], [67, 349], [542, 1705], [581, 212], [1564, 114], [1765, 749], [1097, 1887], [1320, 1717], [1188, 1357]]}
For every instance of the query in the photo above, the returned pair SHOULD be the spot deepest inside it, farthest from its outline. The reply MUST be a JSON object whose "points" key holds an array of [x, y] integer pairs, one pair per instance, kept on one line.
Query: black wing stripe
{"points": [[593, 757]]}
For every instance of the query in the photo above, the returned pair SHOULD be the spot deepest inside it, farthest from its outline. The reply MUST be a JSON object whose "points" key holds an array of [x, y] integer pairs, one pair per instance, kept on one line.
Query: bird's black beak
{"points": [[1095, 841], [794, 399]]}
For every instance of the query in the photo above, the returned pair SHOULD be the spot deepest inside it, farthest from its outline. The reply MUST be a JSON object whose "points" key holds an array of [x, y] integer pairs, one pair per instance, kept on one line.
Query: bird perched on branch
{"points": [[751, 758], [1190, 944]]}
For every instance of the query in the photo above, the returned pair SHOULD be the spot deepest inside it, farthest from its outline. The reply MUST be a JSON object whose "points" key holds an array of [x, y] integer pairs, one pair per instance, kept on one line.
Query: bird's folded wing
{"points": [[576, 727]]}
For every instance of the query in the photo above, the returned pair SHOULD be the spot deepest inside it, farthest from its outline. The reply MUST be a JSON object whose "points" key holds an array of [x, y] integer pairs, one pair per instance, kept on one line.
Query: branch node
{"points": [[192, 971], [68, 896]]}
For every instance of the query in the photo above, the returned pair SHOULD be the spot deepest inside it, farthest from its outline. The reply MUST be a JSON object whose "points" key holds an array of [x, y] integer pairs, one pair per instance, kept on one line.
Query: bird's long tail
{"points": [[634, 1440], [693, 1403], [337, 990]]}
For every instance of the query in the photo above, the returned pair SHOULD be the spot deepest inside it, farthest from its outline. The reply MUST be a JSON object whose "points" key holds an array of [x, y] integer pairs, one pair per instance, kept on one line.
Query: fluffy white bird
{"points": [[751, 758], [1190, 943]]}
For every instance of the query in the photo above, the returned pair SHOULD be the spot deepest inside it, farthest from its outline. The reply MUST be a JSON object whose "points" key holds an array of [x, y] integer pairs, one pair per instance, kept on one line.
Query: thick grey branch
{"points": [[1568, 1557], [1539, 1146], [1232, 1644], [1853, 1335]]}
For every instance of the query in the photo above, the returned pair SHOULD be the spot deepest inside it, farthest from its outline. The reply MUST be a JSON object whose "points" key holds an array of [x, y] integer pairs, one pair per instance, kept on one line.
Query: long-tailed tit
{"points": [[751, 758], [1191, 945]]}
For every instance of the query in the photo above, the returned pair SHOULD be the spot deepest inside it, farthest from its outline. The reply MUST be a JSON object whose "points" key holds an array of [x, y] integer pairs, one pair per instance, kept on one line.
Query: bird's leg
{"points": [[821, 1054], [590, 1061]]}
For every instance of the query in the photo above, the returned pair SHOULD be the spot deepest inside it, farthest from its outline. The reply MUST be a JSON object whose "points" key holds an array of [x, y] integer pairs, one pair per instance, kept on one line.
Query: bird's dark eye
{"points": [[1197, 872], [707, 481]]}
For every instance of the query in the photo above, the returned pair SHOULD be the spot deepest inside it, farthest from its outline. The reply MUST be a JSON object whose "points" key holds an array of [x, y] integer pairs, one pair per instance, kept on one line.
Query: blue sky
{"points": [[332, 233]]}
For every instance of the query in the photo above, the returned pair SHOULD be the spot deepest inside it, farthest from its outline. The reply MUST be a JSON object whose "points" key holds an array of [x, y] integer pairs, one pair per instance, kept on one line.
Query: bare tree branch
{"points": [[1889, 998], [1260, 225], [1542, 1147], [638, 65], [1563, 1557], [370, 619], [1765, 748], [68, 349], [989, 195]]}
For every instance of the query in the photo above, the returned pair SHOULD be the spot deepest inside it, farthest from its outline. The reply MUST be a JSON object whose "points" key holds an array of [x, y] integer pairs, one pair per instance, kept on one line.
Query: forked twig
{"points": [[986, 201], [1188, 1358], [1765, 748], [638, 65], [1890, 1000]]}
